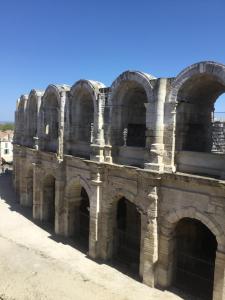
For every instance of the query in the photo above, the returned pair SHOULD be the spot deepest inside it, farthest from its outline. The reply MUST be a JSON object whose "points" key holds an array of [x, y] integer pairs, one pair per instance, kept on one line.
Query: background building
{"points": [[6, 146]]}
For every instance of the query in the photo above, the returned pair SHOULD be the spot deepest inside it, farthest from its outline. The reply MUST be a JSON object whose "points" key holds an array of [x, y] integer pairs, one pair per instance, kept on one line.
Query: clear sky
{"points": [[55, 41]]}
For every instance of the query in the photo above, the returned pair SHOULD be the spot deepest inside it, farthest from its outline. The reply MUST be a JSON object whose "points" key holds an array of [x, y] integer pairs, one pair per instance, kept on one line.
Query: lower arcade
{"points": [[165, 230]]}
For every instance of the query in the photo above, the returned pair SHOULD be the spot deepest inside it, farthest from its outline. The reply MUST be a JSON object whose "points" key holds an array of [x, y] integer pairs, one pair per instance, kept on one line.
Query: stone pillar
{"points": [[16, 170], [68, 131], [97, 153], [219, 277], [94, 232], [108, 216], [39, 124], [149, 255], [60, 148], [107, 126], [155, 128], [59, 206], [166, 261], [23, 190], [37, 191], [170, 138]]}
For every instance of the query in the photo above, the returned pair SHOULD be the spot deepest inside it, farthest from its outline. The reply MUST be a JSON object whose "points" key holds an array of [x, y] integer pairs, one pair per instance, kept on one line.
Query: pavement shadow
{"points": [[8, 194]]}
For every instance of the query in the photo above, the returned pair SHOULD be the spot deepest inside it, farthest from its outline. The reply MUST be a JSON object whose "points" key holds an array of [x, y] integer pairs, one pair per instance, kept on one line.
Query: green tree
{"points": [[7, 126]]}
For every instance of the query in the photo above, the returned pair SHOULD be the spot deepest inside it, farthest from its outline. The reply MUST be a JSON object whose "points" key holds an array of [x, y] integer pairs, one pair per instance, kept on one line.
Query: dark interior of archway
{"points": [[196, 98], [127, 237], [136, 118], [32, 121], [49, 200], [84, 219], [133, 113], [51, 123], [86, 117], [195, 250]]}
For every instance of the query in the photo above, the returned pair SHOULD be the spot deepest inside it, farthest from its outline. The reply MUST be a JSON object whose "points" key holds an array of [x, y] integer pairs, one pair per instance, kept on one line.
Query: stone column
{"points": [[219, 277], [165, 266], [108, 216], [107, 126], [94, 232], [149, 255], [60, 148], [155, 128], [37, 191], [67, 126], [170, 137], [97, 153], [59, 206], [23, 190], [39, 122], [16, 170]]}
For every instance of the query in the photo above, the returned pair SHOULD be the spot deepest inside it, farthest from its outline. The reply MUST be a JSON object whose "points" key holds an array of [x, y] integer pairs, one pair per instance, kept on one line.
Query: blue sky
{"points": [[53, 41]]}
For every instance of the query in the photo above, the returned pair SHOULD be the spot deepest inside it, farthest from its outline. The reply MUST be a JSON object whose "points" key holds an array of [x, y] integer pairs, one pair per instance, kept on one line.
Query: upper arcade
{"points": [[160, 124]]}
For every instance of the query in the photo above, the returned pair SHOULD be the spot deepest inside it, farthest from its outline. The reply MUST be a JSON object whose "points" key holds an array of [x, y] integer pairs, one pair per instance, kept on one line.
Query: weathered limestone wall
{"points": [[73, 149], [162, 201]]}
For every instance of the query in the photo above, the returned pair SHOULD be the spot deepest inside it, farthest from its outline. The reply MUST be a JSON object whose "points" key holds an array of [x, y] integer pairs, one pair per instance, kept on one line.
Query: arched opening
{"points": [[51, 122], [49, 200], [32, 120], [30, 188], [194, 258], [79, 216], [84, 218], [81, 124], [127, 237], [21, 119], [129, 114], [86, 118], [195, 112]]}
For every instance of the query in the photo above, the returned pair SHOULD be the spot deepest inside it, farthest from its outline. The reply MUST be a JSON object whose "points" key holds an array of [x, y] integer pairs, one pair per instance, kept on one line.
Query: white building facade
{"points": [[6, 146]]}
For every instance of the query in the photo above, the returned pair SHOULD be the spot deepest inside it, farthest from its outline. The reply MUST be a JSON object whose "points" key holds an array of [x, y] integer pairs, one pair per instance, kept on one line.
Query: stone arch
{"points": [[171, 219], [112, 232], [187, 255], [33, 104], [130, 92], [76, 182], [84, 109], [118, 193], [48, 205], [205, 67], [52, 116], [77, 207], [141, 78], [22, 104], [91, 87], [194, 91], [21, 119]]}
